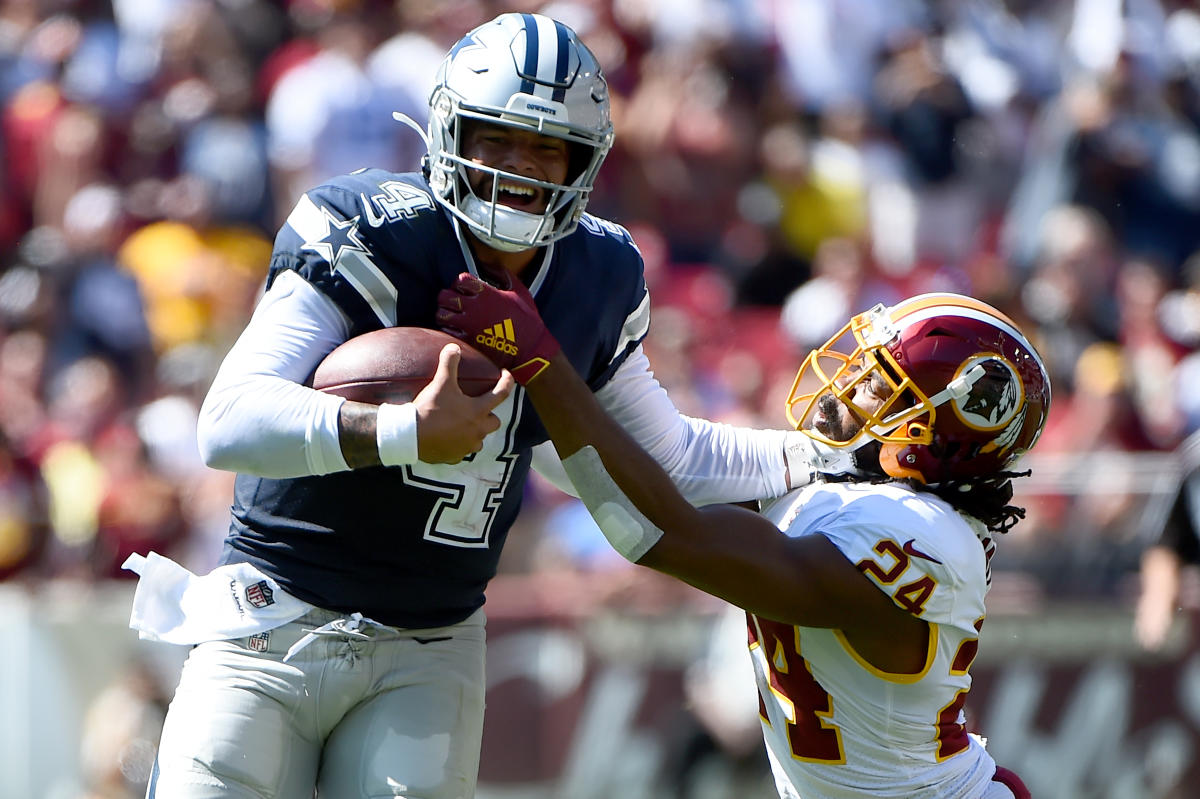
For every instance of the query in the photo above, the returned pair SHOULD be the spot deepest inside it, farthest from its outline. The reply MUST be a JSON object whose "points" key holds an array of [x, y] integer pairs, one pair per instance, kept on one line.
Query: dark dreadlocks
{"points": [[985, 498]]}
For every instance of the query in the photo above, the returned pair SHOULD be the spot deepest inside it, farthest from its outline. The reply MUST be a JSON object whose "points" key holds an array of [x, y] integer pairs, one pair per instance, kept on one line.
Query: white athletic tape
{"points": [[396, 434], [629, 532]]}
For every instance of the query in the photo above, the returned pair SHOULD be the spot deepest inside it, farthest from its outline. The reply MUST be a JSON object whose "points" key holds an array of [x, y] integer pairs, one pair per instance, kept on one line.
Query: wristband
{"points": [[797, 453], [807, 458], [396, 434]]}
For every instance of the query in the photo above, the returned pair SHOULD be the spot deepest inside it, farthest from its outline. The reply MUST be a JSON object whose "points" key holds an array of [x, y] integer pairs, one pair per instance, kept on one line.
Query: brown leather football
{"points": [[393, 364]]}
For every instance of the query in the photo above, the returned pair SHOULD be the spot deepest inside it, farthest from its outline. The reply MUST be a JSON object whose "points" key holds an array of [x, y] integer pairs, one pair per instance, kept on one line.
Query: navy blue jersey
{"points": [[415, 546]]}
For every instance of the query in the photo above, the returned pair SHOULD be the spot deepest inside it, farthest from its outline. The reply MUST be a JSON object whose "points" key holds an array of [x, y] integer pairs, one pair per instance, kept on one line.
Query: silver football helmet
{"points": [[526, 71]]}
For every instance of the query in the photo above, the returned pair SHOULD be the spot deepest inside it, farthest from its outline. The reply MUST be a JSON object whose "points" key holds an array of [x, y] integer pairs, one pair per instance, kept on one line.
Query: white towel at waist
{"points": [[233, 601]]}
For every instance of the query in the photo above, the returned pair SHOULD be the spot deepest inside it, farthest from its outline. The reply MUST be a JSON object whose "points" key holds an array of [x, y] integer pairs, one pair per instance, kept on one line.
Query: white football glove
{"points": [[807, 457]]}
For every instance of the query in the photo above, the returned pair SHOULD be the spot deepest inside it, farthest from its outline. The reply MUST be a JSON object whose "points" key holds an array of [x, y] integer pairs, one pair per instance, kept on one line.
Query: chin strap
{"points": [[956, 389], [412, 123], [959, 387]]}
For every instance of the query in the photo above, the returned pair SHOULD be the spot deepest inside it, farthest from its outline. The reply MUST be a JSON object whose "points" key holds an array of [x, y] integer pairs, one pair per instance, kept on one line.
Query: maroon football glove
{"points": [[501, 323]]}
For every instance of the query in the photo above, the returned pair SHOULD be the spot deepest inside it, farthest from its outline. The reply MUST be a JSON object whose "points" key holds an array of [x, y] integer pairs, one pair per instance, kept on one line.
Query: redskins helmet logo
{"points": [[994, 399]]}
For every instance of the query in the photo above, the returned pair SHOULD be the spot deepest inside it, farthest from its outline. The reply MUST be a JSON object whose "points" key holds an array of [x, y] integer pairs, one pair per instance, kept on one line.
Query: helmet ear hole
{"points": [[900, 460], [579, 158], [895, 463]]}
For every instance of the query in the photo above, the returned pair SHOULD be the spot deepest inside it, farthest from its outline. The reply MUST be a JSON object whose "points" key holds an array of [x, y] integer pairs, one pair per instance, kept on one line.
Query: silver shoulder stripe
{"points": [[637, 324], [313, 223]]}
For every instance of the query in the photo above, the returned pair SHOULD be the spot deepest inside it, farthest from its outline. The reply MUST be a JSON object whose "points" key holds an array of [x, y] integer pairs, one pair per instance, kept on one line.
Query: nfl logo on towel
{"points": [[260, 594]]}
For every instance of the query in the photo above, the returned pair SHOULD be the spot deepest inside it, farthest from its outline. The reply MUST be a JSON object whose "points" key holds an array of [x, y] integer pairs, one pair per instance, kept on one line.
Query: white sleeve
{"points": [[709, 462], [258, 418]]}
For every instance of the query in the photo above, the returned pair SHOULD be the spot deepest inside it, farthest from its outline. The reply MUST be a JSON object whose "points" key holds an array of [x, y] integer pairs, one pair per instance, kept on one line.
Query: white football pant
{"points": [[367, 712]]}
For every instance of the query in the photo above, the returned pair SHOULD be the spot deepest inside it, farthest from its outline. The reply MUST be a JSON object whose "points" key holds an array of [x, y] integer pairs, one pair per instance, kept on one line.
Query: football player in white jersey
{"points": [[865, 613]]}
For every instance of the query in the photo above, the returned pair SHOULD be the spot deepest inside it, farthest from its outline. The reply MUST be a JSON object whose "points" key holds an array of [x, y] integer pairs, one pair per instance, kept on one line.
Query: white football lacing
{"points": [[346, 627]]}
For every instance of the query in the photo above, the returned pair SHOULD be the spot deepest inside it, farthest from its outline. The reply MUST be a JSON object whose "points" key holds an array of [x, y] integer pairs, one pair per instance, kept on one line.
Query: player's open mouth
{"points": [[521, 196]]}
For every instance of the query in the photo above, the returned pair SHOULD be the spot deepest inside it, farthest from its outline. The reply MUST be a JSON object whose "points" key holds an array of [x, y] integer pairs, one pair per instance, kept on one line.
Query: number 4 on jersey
{"points": [[469, 492]]}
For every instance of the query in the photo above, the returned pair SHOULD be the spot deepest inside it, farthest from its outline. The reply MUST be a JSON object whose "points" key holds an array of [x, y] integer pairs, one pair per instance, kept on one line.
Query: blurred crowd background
{"points": [[782, 165]]}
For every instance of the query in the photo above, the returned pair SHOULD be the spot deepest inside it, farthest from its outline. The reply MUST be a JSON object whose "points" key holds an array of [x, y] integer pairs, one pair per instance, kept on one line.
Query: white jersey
{"points": [[835, 726]]}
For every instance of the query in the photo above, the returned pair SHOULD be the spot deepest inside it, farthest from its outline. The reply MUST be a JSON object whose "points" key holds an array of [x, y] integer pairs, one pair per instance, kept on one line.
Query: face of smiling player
{"points": [[521, 152]]}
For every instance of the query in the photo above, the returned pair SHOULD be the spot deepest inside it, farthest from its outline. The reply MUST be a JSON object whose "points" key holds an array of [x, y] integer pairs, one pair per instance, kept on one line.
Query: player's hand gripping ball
{"points": [[503, 323]]}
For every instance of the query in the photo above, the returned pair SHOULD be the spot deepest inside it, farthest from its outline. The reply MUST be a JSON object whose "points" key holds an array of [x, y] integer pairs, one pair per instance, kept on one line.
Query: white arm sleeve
{"points": [[257, 417], [709, 462]]}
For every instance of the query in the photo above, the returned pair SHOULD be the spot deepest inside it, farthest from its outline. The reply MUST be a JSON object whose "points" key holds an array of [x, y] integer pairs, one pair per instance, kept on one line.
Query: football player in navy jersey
{"points": [[339, 645]]}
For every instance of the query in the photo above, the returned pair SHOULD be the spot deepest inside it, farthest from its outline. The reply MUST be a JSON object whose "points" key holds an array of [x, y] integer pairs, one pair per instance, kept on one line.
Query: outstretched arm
{"points": [[723, 550], [726, 551], [708, 461]]}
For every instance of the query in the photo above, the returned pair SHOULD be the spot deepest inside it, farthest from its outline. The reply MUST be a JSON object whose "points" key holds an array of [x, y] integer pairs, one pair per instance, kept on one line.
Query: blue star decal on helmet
{"points": [[339, 236], [467, 41]]}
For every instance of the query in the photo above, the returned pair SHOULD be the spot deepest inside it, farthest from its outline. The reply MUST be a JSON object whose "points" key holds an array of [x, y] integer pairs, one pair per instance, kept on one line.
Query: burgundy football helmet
{"points": [[968, 392]]}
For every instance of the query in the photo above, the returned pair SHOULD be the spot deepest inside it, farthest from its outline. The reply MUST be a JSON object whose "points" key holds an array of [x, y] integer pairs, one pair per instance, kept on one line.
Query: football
{"points": [[393, 365]]}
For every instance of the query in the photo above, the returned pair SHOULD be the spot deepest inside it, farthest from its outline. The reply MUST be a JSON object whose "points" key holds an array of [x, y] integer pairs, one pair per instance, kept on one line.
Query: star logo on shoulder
{"points": [[339, 237]]}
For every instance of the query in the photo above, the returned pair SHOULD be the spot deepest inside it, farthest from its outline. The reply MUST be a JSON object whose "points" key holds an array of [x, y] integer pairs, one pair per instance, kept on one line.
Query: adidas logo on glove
{"points": [[499, 337], [468, 310]]}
